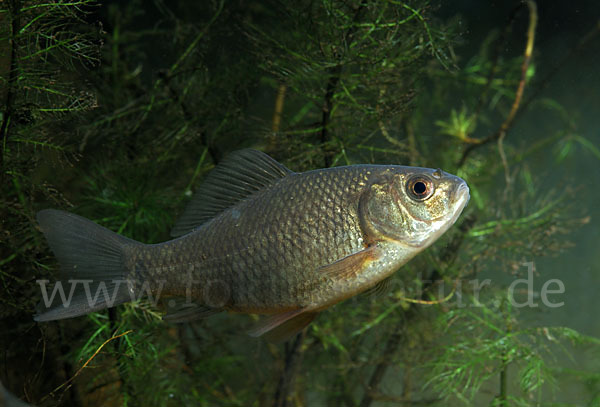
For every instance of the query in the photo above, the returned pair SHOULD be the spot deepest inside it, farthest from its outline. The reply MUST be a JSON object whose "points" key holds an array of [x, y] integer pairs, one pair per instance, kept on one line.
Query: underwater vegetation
{"points": [[118, 111]]}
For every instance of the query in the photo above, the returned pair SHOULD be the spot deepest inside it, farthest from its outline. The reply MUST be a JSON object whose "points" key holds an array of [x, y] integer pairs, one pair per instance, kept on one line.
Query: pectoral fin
{"points": [[380, 289], [280, 327], [350, 265]]}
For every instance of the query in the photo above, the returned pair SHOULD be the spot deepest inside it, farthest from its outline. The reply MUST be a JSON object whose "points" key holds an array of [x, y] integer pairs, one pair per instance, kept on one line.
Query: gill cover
{"points": [[380, 218]]}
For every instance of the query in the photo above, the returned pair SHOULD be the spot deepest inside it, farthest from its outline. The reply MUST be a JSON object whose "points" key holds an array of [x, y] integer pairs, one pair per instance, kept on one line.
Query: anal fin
{"points": [[182, 311], [280, 327]]}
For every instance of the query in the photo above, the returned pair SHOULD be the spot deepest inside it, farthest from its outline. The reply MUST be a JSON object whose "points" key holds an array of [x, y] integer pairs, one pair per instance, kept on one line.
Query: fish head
{"points": [[413, 206]]}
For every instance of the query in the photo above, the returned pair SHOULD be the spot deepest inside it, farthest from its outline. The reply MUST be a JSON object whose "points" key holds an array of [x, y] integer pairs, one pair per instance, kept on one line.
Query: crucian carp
{"points": [[258, 238]]}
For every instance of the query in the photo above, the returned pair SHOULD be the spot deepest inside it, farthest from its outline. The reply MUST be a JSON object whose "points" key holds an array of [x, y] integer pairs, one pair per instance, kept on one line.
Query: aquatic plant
{"points": [[117, 111]]}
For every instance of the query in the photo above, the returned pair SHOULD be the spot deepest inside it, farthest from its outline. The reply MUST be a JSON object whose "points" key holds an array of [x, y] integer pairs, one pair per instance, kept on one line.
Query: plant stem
{"points": [[581, 46], [501, 132], [504, 360], [276, 123], [293, 360], [334, 79], [14, 7], [390, 349], [503, 378]]}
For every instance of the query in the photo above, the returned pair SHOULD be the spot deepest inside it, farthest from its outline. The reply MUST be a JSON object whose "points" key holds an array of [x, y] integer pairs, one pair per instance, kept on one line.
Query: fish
{"points": [[258, 238], [9, 400]]}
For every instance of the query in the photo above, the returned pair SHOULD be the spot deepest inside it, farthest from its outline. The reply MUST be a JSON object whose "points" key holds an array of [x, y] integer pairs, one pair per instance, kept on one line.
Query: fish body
{"points": [[8, 400], [259, 238]]}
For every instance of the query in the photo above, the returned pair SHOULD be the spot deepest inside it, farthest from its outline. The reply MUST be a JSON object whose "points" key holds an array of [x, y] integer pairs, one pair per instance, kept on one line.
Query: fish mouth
{"points": [[462, 197]]}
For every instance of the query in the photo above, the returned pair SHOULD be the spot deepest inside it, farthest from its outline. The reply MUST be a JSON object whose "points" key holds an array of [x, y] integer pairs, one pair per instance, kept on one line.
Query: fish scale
{"points": [[305, 223]]}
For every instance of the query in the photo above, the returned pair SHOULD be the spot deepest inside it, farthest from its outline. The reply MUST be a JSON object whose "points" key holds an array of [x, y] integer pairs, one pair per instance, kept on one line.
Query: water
{"points": [[576, 87], [130, 162]]}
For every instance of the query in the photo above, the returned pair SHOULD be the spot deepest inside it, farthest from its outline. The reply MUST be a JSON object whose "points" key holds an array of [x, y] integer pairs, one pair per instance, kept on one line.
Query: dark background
{"points": [[134, 171]]}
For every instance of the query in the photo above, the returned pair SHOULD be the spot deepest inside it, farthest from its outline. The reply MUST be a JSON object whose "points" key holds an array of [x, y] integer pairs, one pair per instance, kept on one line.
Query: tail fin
{"points": [[93, 273], [8, 400]]}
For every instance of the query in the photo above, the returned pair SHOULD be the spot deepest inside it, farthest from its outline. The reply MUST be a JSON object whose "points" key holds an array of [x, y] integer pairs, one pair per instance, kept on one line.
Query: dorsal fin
{"points": [[238, 176]]}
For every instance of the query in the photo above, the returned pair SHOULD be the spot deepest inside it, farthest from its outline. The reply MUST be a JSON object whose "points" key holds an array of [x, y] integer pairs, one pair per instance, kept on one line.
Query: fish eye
{"points": [[419, 188]]}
